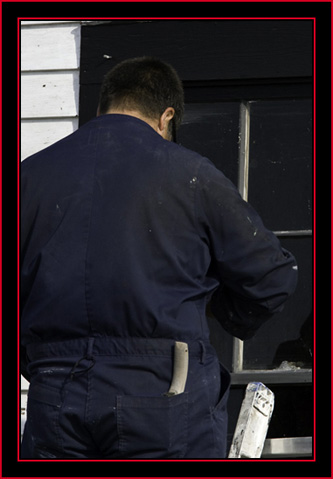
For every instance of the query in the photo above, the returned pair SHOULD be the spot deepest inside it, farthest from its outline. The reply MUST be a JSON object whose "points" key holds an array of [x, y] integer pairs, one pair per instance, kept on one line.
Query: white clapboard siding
{"points": [[45, 22], [50, 61], [49, 94], [24, 396], [56, 46]]}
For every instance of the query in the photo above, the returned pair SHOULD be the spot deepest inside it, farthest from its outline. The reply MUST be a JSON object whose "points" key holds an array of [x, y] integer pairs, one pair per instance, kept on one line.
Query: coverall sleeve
{"points": [[255, 273]]}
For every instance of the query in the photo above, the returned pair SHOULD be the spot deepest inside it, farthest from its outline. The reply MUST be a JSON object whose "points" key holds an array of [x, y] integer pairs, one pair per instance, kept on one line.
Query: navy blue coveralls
{"points": [[124, 238]]}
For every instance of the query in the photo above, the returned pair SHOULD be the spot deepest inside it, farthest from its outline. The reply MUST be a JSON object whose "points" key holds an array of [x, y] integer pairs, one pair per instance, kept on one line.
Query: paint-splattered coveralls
{"points": [[125, 237]]}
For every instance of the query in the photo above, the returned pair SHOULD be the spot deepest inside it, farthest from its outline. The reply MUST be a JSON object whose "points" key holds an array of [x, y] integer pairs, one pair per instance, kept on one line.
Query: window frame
{"points": [[240, 375]]}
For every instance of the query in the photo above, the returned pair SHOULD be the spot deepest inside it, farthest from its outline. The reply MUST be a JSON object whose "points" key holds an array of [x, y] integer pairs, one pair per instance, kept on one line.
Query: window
{"points": [[265, 146]]}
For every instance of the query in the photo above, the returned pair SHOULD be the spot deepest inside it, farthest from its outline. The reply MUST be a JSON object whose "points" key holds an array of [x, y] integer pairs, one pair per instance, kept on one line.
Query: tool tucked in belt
{"points": [[180, 369]]}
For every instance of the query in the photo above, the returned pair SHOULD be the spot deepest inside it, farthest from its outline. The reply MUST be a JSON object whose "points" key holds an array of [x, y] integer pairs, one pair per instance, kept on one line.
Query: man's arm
{"points": [[256, 274]]}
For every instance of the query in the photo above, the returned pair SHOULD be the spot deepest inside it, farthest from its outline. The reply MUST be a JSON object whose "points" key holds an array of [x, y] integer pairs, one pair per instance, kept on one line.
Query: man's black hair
{"points": [[146, 84]]}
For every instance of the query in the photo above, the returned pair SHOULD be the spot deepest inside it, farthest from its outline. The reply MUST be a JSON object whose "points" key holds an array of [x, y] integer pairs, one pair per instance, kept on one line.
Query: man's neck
{"points": [[151, 122]]}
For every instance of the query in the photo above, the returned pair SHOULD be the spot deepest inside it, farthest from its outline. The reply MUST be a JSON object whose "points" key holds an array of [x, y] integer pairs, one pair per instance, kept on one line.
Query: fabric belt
{"points": [[111, 346]]}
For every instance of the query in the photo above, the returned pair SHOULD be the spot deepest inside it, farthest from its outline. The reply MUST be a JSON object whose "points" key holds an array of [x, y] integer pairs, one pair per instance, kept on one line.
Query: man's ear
{"points": [[164, 121]]}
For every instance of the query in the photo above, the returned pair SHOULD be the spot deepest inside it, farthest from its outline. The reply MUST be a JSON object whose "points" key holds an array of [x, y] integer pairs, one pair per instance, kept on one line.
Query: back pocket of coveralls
{"points": [[44, 403], [152, 427]]}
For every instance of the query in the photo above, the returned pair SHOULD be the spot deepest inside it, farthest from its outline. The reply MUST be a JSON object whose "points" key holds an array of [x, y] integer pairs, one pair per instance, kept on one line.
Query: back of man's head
{"points": [[144, 84]]}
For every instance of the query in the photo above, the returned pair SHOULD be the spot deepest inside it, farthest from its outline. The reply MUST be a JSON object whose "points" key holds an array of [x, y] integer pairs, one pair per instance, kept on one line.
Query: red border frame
{"points": [[314, 208]]}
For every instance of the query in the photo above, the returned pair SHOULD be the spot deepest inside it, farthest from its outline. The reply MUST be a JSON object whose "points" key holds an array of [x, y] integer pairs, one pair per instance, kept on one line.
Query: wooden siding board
{"points": [[50, 48], [245, 49], [53, 94], [37, 23]]}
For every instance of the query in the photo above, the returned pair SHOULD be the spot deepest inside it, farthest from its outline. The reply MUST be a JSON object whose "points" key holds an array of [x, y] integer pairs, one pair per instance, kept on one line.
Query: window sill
{"points": [[272, 376]]}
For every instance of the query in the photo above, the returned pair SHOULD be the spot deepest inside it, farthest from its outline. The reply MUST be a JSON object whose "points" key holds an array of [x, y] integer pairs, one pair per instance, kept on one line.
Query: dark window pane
{"points": [[280, 179], [293, 411], [211, 129], [286, 340]]}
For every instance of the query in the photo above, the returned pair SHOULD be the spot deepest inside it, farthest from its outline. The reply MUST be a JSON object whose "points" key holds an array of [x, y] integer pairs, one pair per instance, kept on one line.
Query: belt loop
{"points": [[89, 354], [203, 352]]}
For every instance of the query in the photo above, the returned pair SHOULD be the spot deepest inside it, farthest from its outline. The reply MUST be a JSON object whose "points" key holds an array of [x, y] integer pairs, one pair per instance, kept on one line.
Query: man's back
{"points": [[113, 272], [127, 234], [115, 248]]}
